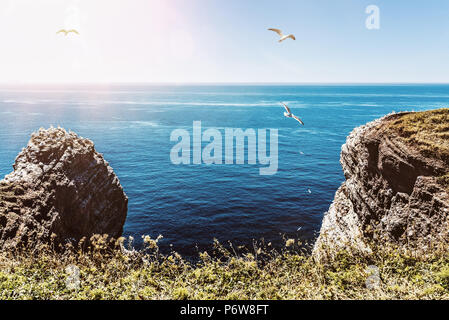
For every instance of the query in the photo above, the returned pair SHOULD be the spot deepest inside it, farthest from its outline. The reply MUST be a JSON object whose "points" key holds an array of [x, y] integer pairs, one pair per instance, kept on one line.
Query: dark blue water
{"points": [[192, 204]]}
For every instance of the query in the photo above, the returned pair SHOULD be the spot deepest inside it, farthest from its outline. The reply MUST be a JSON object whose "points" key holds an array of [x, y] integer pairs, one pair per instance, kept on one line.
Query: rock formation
{"points": [[60, 188], [396, 188]]}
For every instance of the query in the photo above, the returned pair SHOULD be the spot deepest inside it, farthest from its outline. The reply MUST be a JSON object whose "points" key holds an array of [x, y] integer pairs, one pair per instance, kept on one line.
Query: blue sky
{"points": [[223, 41]]}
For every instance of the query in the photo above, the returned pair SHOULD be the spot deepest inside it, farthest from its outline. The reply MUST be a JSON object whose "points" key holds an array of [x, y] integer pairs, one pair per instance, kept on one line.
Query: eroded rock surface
{"points": [[392, 193], [60, 188]]}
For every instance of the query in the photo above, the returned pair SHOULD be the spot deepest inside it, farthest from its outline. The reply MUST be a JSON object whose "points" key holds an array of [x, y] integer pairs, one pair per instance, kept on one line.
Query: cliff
{"points": [[61, 189], [396, 188]]}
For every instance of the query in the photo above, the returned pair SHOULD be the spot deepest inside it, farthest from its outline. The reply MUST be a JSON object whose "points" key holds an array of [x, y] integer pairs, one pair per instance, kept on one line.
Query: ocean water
{"points": [[190, 205]]}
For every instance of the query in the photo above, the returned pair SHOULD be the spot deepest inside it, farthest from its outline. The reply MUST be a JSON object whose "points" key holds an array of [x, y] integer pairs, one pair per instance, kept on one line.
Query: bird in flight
{"points": [[283, 37], [289, 114], [66, 32]]}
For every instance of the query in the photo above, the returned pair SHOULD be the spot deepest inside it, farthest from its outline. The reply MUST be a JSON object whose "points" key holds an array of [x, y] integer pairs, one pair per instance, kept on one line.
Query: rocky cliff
{"points": [[60, 188], [396, 187]]}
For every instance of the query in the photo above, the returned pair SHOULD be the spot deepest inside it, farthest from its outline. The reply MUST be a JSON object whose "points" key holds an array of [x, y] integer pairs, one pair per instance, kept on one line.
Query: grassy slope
{"points": [[263, 274], [428, 131]]}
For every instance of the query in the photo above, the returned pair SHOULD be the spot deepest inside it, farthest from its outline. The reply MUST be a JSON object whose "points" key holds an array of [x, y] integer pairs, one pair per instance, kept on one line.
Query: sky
{"points": [[183, 41]]}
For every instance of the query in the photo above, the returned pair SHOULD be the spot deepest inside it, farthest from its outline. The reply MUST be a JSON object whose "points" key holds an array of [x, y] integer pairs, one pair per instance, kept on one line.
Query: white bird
{"points": [[289, 114], [283, 37], [299, 228], [66, 32]]}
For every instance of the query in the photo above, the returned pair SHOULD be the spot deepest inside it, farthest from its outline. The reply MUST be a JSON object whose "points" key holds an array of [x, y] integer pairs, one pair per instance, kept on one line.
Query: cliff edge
{"points": [[61, 189], [396, 188]]}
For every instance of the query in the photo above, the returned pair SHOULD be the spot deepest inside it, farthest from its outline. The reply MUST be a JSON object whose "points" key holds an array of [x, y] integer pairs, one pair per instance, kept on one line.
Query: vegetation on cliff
{"points": [[427, 130], [45, 273]]}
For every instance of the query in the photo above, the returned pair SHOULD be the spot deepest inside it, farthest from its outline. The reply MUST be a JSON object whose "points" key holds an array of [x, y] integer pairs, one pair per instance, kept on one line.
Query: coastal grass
{"points": [[428, 131], [259, 273]]}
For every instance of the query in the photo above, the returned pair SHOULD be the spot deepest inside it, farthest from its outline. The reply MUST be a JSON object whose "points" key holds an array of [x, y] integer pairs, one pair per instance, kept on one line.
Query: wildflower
{"points": [[290, 242], [152, 244], [120, 240]]}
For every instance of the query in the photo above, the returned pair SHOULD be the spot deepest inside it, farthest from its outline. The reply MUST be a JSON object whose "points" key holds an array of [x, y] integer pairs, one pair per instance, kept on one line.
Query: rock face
{"points": [[392, 193], [60, 188]]}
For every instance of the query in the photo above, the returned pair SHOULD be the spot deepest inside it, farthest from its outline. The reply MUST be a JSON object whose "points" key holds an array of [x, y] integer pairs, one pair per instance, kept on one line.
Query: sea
{"points": [[191, 204]]}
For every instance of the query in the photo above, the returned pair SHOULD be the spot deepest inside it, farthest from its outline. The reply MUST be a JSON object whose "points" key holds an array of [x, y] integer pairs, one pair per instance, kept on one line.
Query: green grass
{"points": [[260, 274], [428, 131]]}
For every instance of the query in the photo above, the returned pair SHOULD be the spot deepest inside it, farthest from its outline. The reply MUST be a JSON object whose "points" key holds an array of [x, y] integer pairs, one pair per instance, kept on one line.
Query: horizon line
{"points": [[261, 83]]}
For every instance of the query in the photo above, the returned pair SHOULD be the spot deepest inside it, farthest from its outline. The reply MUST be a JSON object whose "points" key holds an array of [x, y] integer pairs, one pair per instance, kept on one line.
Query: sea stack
{"points": [[62, 190], [396, 188]]}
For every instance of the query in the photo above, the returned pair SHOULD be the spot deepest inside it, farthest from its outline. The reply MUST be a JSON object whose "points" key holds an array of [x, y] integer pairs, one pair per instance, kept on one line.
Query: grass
{"points": [[428, 131], [263, 273]]}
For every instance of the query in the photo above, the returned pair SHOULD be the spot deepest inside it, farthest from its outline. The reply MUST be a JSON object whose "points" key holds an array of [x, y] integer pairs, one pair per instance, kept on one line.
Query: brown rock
{"points": [[61, 188]]}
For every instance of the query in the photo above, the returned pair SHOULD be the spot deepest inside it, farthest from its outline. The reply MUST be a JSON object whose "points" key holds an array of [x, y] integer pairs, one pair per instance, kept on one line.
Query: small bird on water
{"points": [[283, 37], [289, 114], [66, 32]]}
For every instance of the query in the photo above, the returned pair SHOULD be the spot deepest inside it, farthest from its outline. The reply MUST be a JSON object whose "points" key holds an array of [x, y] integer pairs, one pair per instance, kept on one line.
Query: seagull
{"points": [[279, 32], [67, 31], [289, 114]]}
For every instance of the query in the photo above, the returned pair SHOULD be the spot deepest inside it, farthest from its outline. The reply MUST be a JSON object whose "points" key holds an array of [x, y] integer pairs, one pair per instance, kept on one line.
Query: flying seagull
{"points": [[279, 32], [289, 114], [67, 31]]}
